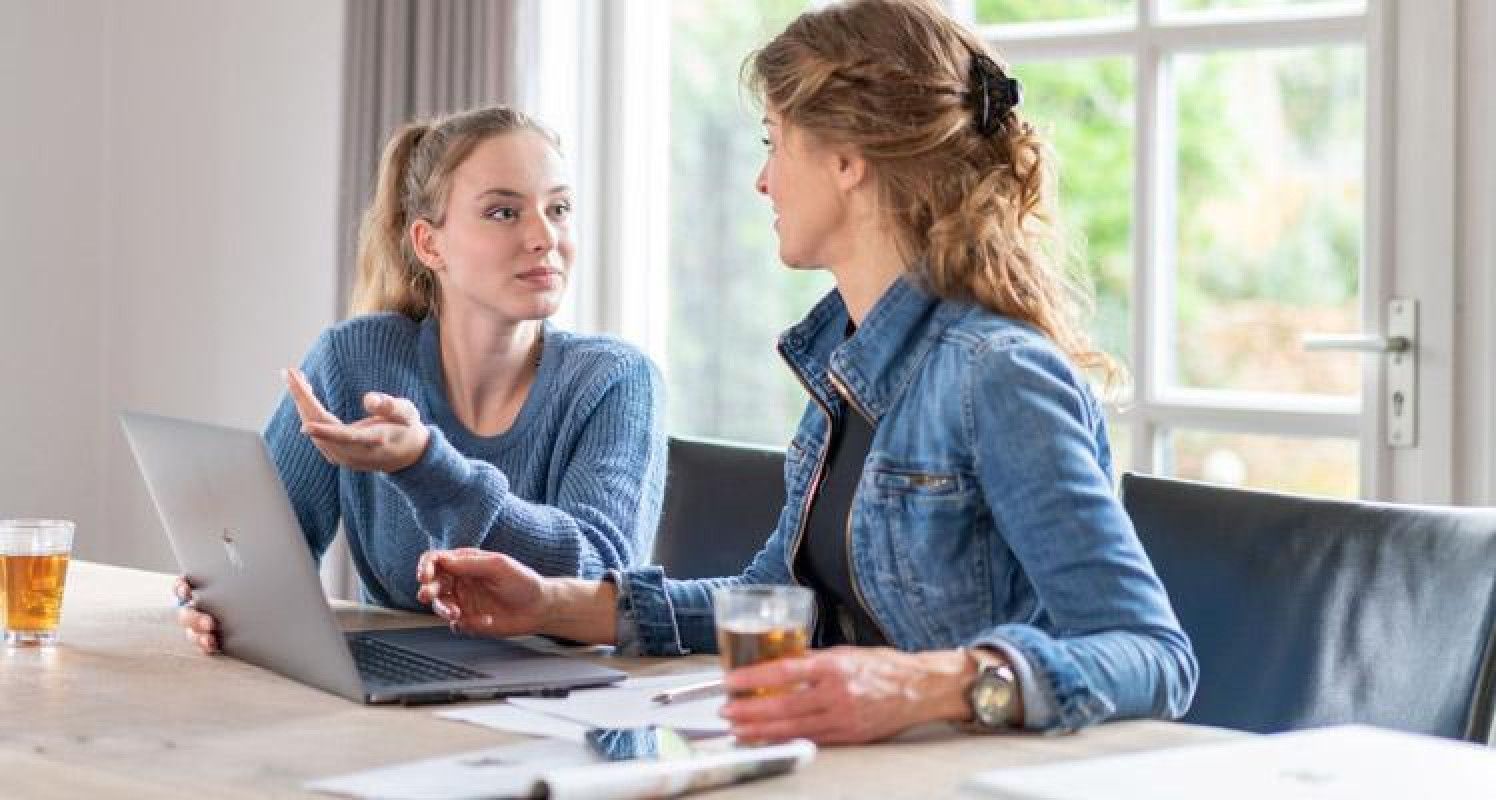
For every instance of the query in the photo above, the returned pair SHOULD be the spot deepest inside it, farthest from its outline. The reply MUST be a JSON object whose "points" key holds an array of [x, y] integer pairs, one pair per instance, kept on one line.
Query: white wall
{"points": [[53, 223], [189, 188]]}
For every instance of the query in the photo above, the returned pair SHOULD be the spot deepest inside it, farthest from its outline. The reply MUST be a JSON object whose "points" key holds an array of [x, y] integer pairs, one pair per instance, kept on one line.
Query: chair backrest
{"points": [[722, 501], [1307, 611]]}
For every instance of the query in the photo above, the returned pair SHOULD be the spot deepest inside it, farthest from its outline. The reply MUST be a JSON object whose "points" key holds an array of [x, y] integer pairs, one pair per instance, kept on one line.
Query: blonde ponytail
{"points": [[390, 277]]}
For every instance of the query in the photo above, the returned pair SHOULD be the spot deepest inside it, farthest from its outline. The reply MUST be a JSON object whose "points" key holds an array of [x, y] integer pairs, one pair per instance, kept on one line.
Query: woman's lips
{"points": [[542, 277]]}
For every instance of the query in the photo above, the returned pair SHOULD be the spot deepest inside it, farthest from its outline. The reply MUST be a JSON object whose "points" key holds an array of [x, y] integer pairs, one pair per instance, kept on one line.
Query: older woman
{"points": [[949, 491]]}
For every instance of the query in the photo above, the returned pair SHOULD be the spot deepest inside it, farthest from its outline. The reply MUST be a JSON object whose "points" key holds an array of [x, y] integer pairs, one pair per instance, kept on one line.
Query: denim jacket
{"points": [[985, 514]]}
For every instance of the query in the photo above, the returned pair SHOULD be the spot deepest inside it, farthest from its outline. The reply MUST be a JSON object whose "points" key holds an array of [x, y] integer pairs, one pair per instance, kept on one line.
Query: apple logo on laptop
{"points": [[233, 552]]}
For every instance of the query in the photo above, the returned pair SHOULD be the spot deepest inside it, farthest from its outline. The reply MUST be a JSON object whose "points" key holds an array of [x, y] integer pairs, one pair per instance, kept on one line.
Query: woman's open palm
{"points": [[390, 439]]}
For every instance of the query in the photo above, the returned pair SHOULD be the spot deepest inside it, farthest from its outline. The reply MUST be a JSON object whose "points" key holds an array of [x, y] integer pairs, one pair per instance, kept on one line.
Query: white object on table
{"points": [[508, 771], [1348, 762], [513, 719], [564, 771], [630, 704]]}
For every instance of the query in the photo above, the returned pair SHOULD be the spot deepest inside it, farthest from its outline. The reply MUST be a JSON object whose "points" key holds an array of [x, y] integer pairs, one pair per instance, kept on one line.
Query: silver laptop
{"points": [[237, 539]]}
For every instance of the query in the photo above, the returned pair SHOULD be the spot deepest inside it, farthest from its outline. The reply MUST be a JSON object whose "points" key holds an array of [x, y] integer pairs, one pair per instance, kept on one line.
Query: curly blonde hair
{"points": [[973, 211]]}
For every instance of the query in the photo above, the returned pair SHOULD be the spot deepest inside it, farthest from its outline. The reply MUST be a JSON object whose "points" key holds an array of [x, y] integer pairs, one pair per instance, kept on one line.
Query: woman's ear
{"points": [[849, 168], [425, 241]]}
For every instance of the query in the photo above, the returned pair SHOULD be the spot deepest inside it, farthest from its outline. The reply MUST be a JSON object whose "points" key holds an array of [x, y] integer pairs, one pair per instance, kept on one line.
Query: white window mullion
{"points": [[1062, 40], [1148, 294], [1101, 38], [1376, 236], [1424, 215], [1273, 422], [1318, 11], [1218, 36]]}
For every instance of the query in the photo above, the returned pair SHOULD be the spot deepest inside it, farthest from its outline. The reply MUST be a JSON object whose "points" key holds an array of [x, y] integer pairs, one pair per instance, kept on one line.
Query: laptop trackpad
{"points": [[478, 652]]}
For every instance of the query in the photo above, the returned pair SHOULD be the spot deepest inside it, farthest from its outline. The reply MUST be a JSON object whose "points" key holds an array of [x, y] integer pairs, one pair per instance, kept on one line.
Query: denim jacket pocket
{"points": [[919, 483], [932, 522]]}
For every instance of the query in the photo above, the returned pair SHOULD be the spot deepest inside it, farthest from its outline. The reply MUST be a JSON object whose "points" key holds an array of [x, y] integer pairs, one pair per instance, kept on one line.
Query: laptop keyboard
{"points": [[380, 662]]}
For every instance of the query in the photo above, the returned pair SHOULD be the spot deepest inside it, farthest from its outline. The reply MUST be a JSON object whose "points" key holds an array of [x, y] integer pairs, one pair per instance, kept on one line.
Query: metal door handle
{"points": [[1359, 342], [1400, 389]]}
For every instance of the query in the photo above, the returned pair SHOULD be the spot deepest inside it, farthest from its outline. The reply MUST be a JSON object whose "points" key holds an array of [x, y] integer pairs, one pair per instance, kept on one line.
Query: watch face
{"points": [[992, 698]]}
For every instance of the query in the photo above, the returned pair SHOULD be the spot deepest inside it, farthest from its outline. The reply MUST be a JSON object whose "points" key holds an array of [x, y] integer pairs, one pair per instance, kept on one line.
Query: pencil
{"points": [[693, 691]]}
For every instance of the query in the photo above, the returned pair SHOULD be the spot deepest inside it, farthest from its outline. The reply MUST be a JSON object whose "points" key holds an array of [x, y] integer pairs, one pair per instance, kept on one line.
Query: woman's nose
{"points": [[540, 235], [762, 183]]}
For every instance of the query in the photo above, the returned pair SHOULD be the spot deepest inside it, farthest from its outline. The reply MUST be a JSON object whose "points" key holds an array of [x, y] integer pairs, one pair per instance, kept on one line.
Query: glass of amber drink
{"points": [[761, 623], [33, 563]]}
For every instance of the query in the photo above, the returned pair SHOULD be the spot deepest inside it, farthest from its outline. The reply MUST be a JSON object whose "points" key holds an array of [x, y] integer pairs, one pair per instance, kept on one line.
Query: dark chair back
{"points": [[1307, 611], [722, 501]]}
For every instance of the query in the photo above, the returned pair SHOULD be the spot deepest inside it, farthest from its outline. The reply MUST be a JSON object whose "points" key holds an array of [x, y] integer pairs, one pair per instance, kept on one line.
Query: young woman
{"points": [[450, 413], [949, 491]]}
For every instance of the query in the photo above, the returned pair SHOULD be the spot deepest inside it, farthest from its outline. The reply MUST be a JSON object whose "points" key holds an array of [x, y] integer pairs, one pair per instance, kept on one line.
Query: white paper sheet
{"points": [[508, 771], [513, 719], [631, 705]]}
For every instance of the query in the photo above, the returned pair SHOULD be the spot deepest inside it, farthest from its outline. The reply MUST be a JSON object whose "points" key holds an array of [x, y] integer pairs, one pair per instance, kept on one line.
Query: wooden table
{"points": [[126, 707]]}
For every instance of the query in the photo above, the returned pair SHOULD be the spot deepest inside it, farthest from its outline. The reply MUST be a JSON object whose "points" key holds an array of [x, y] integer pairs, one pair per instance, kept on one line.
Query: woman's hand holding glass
{"points": [[390, 439], [847, 695]]}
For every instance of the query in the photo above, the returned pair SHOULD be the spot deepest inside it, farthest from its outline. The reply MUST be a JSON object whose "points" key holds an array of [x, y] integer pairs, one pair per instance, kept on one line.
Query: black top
{"points": [[825, 553]]}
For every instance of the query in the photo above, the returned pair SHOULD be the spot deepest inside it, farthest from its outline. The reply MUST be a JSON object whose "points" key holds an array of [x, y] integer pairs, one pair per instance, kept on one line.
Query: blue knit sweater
{"points": [[572, 488]]}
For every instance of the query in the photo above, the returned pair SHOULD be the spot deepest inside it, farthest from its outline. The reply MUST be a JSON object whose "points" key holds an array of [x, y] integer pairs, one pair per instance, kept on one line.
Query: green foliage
{"points": [[1270, 194], [1085, 109]]}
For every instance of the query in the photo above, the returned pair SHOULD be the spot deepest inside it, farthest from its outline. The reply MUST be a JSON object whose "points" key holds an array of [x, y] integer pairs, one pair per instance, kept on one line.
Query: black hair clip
{"points": [[991, 93]]}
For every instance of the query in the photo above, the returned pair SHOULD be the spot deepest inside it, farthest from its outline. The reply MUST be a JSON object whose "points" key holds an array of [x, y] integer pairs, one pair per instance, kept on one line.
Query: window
{"points": [[1213, 157], [1215, 185], [730, 296], [605, 74]]}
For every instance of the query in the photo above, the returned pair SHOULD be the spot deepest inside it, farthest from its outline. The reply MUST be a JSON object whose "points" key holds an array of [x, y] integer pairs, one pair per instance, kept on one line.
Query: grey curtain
{"points": [[405, 59]]}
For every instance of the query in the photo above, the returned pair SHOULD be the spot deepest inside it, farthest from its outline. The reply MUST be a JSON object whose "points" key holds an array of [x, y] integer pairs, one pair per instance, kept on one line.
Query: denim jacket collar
{"points": [[877, 362]]}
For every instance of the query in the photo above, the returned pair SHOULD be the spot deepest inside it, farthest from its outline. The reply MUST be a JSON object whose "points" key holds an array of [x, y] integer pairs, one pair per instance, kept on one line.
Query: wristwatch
{"points": [[993, 696]]}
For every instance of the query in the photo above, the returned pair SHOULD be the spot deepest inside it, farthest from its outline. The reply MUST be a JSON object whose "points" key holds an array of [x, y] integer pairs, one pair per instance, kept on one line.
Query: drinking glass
{"points": [[33, 565], [761, 623]]}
